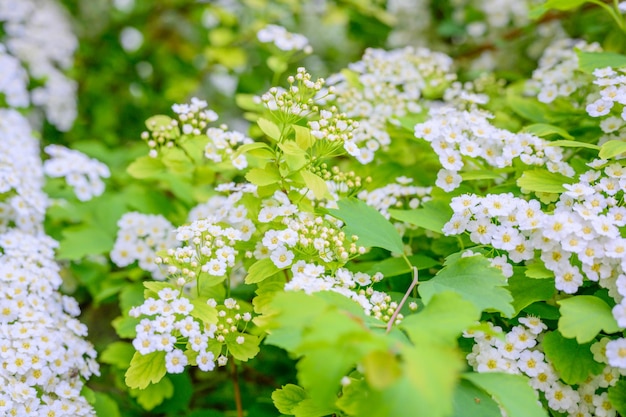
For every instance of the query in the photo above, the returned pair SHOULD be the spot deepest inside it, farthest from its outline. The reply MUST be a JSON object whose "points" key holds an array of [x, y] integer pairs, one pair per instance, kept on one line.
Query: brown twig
{"points": [[236, 388], [406, 296]]}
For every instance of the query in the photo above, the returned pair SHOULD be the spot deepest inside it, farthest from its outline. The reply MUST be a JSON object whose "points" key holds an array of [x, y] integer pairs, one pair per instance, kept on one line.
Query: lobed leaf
{"points": [[584, 316]]}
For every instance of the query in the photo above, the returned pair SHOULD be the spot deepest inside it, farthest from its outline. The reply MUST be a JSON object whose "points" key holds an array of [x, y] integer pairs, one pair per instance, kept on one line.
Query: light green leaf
{"points": [[442, 320], [105, 406], [177, 161], [540, 180], [310, 408], [316, 184], [295, 157], [528, 108], [475, 280], [145, 369], [472, 401], [303, 137], [118, 354], [589, 61], [269, 128], [252, 147], [203, 311], [246, 350], [512, 392], [153, 394], [584, 316], [381, 368], [433, 215], [277, 64], [574, 144], [145, 167], [78, 242], [617, 397], [261, 177], [155, 123], [538, 270], [260, 270], [368, 224], [526, 291], [248, 102], [287, 397], [480, 175], [152, 288], [573, 361], [612, 149], [392, 267], [125, 326], [543, 129]]}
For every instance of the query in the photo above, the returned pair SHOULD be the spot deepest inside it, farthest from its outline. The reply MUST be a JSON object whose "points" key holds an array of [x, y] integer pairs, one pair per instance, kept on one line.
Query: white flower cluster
{"points": [[388, 85], [284, 40], [454, 134], [557, 74], [82, 173], [23, 203], [583, 229], [521, 352], [13, 80], [38, 33], [222, 144], [498, 14], [611, 102], [396, 195], [411, 22], [139, 238]]}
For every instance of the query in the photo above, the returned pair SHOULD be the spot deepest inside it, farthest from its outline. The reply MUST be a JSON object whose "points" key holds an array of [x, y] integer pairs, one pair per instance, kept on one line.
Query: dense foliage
{"points": [[333, 208]]}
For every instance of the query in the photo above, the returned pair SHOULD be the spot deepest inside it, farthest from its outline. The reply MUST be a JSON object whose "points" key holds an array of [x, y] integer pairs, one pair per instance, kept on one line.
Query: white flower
{"points": [[282, 257], [175, 361]]}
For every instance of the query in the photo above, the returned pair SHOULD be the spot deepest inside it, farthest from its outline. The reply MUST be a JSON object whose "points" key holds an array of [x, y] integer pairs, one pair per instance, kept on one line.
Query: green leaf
{"points": [[249, 147], [442, 320], [125, 326], [267, 176], [246, 350], [573, 361], [368, 224], [589, 61], [310, 408], [540, 180], [261, 270], [153, 394], [145, 369], [155, 123], [316, 184], [475, 280], [105, 406], [584, 316], [512, 392], [612, 149], [303, 137], [526, 291], [152, 288], [287, 397], [433, 215], [574, 144], [480, 175], [118, 354], [294, 155], [538, 270], [528, 108], [277, 64], [78, 242], [391, 267], [617, 397], [381, 369], [145, 167], [472, 401], [544, 129], [203, 311], [248, 102], [177, 161], [269, 128]]}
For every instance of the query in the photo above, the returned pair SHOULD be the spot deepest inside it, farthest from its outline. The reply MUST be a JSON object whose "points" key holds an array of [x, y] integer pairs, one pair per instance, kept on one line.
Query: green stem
{"points": [[612, 11]]}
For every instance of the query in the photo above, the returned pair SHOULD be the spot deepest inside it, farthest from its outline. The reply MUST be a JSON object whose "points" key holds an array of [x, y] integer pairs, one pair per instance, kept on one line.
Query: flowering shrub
{"points": [[352, 209]]}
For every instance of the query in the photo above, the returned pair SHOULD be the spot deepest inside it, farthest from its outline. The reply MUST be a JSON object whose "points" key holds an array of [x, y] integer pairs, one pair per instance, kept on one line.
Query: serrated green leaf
{"points": [[203, 311], [475, 280], [316, 184], [617, 397], [572, 360], [244, 351], [303, 137], [512, 392], [433, 215], [310, 408], [543, 181], [194, 147], [261, 177], [538, 270], [526, 291], [574, 144], [584, 316], [153, 394], [125, 326], [78, 242], [612, 149], [155, 123], [469, 400], [442, 320], [269, 128], [589, 61], [295, 157], [368, 224], [177, 161], [287, 397], [105, 406], [145, 369], [261, 270], [118, 354], [251, 147], [543, 129], [152, 288]]}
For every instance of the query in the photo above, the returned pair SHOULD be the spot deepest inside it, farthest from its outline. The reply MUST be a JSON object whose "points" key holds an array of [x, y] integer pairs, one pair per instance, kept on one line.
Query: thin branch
{"points": [[406, 296], [236, 388]]}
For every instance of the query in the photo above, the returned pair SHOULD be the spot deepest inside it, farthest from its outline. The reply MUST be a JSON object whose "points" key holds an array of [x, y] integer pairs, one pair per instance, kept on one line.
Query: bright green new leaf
{"points": [[248, 102], [118, 354], [267, 176], [303, 137], [287, 397], [617, 397], [538, 270], [310, 408], [381, 368], [260, 270], [153, 394], [442, 320], [528, 108], [433, 215], [480, 175], [475, 280], [277, 64], [145, 369], [243, 351], [125, 326], [177, 161], [249, 147], [315, 183], [194, 147], [526, 291], [203, 311], [269, 128], [612, 149], [573, 361], [513, 393], [320, 372], [295, 157], [105, 406], [145, 167], [544, 129], [540, 180], [153, 288], [78, 242], [472, 401], [574, 144], [589, 61], [368, 224], [155, 123], [584, 316]]}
